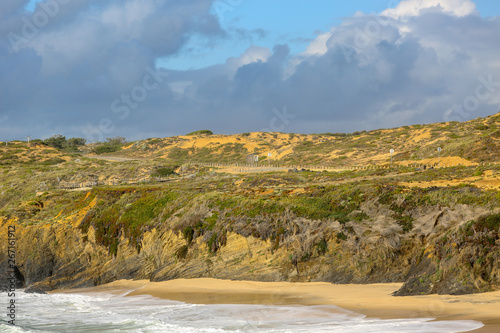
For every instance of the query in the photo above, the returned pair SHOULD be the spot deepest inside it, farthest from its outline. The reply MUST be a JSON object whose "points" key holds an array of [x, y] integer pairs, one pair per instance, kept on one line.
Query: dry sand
{"points": [[373, 300]]}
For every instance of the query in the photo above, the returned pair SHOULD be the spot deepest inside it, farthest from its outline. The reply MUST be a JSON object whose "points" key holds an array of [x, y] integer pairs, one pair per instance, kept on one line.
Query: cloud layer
{"points": [[87, 68]]}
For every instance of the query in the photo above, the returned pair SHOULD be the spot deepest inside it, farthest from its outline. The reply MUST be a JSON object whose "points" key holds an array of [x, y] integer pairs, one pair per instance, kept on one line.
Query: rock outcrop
{"points": [[452, 250]]}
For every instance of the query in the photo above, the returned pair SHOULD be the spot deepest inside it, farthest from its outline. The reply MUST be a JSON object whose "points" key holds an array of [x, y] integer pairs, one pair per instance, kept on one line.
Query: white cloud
{"points": [[318, 45], [129, 16], [408, 8], [251, 55]]}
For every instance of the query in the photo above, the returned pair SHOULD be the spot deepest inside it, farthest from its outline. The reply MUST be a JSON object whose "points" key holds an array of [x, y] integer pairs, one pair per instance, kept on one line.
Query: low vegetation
{"points": [[60, 142], [111, 145], [201, 132], [336, 218]]}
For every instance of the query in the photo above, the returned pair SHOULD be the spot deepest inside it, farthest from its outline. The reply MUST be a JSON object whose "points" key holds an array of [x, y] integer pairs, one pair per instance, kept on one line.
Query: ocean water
{"points": [[102, 312]]}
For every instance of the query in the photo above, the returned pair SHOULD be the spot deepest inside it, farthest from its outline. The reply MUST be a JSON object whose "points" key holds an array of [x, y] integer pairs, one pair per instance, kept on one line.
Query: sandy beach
{"points": [[372, 300]]}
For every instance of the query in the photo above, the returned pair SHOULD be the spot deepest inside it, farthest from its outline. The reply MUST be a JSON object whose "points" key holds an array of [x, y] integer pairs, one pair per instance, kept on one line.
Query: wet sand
{"points": [[372, 300]]}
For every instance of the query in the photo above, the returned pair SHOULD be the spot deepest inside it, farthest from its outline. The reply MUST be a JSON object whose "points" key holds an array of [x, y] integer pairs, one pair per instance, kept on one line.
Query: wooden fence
{"points": [[259, 168], [75, 185]]}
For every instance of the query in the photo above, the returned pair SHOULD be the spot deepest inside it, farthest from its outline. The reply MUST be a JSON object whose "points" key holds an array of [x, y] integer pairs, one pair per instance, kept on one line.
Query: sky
{"points": [[158, 68]]}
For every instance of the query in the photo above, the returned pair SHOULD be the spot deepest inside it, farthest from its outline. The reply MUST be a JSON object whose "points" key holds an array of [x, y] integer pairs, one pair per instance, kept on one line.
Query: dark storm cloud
{"points": [[90, 71], [64, 64]]}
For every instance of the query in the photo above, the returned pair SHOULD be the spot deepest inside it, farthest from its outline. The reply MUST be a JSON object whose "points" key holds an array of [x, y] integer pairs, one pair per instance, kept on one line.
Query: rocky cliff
{"points": [[436, 240]]}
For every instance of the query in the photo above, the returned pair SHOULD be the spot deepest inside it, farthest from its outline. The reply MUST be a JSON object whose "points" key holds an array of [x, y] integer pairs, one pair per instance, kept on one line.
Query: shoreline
{"points": [[371, 300]]}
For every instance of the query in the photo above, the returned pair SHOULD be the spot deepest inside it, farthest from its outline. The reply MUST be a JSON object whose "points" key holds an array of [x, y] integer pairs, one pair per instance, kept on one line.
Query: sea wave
{"points": [[102, 312]]}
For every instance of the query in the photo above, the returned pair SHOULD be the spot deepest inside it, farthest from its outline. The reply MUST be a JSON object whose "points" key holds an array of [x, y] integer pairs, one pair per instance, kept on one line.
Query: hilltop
{"points": [[466, 143], [475, 141]]}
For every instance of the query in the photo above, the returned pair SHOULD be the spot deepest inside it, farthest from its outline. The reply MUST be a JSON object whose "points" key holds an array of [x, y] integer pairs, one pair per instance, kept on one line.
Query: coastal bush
{"points": [[213, 243], [105, 148], [182, 252], [188, 233], [201, 132], [57, 141], [116, 141], [60, 142], [322, 247], [211, 221], [52, 161], [113, 247], [341, 237], [153, 142], [75, 142], [489, 222], [111, 145], [485, 223], [163, 171], [405, 221]]}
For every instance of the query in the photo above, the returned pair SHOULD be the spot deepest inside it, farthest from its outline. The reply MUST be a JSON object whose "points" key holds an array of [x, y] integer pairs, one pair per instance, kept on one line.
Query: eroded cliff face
{"points": [[448, 249]]}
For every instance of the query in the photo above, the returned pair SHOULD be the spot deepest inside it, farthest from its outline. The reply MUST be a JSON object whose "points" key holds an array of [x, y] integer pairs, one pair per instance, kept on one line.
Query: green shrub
{"points": [[488, 222], [116, 141], [164, 171], [53, 161], [405, 221], [359, 217], [57, 141], [154, 141], [201, 132], [75, 142], [341, 236], [113, 247], [213, 244], [105, 148], [182, 252], [322, 246], [211, 221], [188, 234]]}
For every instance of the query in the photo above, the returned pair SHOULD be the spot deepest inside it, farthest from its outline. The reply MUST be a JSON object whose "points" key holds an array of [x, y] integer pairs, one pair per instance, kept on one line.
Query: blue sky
{"points": [[148, 68], [293, 22]]}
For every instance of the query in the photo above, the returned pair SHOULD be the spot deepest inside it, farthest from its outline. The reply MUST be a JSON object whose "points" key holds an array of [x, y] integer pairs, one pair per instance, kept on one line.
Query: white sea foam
{"points": [[117, 313]]}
